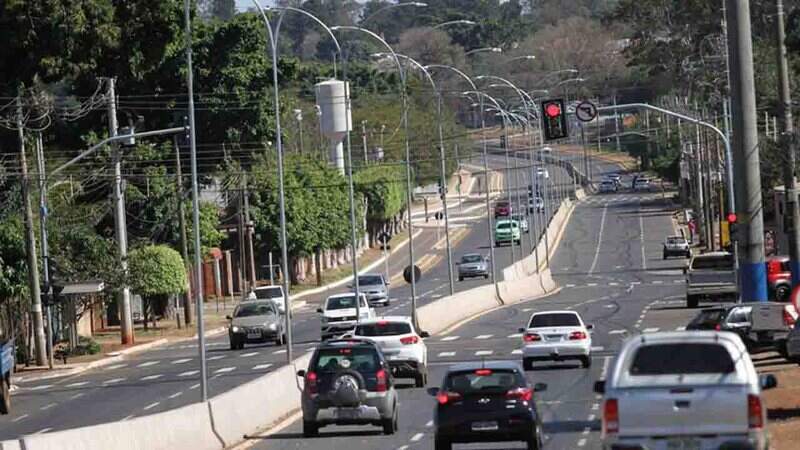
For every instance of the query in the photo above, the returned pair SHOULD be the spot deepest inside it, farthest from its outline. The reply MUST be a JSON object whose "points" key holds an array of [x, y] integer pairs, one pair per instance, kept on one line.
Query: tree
{"points": [[156, 273], [218, 9], [427, 45]]}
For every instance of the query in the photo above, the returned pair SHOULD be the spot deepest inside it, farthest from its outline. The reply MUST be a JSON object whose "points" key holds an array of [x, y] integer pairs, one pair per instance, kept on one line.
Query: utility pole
{"points": [[187, 297], [364, 140], [745, 150], [789, 145], [48, 289], [120, 225], [240, 227], [30, 248], [248, 225], [616, 124]]}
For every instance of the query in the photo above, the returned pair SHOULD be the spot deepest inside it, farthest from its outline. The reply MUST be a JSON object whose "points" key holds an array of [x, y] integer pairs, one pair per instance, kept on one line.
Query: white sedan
{"points": [[556, 336], [404, 349]]}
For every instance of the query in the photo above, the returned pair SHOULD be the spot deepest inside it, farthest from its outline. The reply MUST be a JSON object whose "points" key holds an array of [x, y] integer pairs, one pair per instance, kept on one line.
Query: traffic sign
{"points": [[586, 111], [407, 274], [384, 239]]}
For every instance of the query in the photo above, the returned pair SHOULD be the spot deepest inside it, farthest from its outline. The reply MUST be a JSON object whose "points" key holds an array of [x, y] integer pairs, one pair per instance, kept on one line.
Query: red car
{"points": [[502, 209], [779, 278]]}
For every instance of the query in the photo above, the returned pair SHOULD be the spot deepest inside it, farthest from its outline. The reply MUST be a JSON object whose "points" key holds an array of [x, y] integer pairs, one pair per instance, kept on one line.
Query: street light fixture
{"points": [[453, 22], [519, 58], [484, 50]]}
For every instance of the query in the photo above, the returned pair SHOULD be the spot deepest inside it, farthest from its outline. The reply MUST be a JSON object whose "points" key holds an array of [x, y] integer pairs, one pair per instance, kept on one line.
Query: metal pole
{"points": [[248, 230], [271, 276], [43, 212], [364, 140], [616, 124], [507, 177], [789, 143], [187, 298], [201, 338], [745, 145], [351, 191], [489, 215], [444, 195]]}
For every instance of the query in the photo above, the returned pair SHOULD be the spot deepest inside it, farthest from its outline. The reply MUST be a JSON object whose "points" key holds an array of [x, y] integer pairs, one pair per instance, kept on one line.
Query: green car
{"points": [[506, 232]]}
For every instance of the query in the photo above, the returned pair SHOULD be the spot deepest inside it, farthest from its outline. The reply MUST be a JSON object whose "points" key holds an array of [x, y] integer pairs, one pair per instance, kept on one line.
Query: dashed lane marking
{"points": [[40, 388], [116, 366], [151, 377], [247, 355], [43, 430], [598, 348], [189, 373], [48, 406], [194, 386], [78, 384], [450, 338], [214, 358], [484, 352], [261, 367], [114, 381], [175, 395], [617, 332], [225, 370], [148, 363], [151, 406], [279, 352], [181, 361], [650, 330], [680, 329], [517, 352], [515, 336], [446, 354], [484, 336], [417, 437], [22, 417]]}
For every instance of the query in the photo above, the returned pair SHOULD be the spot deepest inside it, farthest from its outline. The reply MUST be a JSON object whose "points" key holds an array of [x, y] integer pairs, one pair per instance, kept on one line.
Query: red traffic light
{"points": [[731, 218], [552, 110]]}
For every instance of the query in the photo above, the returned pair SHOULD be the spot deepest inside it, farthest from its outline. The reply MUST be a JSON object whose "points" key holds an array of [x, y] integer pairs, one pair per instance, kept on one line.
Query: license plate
{"points": [[348, 413], [484, 426], [683, 444], [253, 335], [553, 337]]}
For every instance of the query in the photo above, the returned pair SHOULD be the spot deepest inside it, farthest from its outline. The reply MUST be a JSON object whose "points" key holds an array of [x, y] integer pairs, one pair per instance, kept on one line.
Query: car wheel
{"points": [[527, 363], [390, 424], [310, 429], [280, 340], [486, 277], [442, 444], [688, 254], [5, 399], [419, 380], [534, 442], [782, 293], [586, 361], [692, 301], [234, 344], [460, 278], [665, 255]]}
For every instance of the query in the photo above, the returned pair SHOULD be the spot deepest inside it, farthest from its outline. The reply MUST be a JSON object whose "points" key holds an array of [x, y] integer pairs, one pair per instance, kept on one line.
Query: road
{"points": [[610, 267], [168, 376]]}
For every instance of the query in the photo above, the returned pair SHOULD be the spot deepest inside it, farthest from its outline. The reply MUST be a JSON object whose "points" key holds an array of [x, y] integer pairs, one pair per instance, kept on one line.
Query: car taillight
{"points": [[788, 318], [718, 327], [408, 340], [577, 335], [610, 416], [381, 378], [444, 397], [531, 337], [311, 382], [523, 394], [755, 412]]}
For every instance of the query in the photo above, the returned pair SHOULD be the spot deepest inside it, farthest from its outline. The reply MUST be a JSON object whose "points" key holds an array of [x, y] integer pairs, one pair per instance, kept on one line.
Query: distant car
{"points": [[486, 401], [348, 382], [616, 178], [556, 336], [507, 232], [473, 265], [403, 348], [793, 344], [711, 276], [769, 331], [642, 184], [676, 246], [607, 186], [522, 221], [546, 151], [375, 287], [502, 209], [339, 314], [779, 278], [274, 293], [542, 172], [255, 321], [684, 390], [536, 204]]}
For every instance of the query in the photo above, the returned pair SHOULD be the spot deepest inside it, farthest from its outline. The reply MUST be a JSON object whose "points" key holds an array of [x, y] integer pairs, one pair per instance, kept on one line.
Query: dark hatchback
{"points": [[486, 402]]}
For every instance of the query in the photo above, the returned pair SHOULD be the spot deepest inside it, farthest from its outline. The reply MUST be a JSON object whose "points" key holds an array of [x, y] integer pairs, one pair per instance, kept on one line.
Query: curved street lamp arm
{"points": [[453, 69]]}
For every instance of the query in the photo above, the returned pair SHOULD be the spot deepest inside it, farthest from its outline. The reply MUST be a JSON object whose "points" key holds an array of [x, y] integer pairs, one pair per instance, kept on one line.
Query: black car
{"points": [[739, 319], [486, 402]]}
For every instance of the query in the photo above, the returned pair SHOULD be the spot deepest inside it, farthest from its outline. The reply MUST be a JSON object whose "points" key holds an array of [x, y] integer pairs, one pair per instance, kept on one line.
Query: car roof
{"points": [[606, 181], [712, 254], [471, 254], [563, 311], [346, 294], [263, 301], [474, 365], [678, 337], [499, 222], [348, 342], [404, 319]]}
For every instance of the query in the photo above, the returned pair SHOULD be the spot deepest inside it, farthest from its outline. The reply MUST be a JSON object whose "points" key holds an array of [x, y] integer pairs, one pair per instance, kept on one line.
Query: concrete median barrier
{"points": [[10, 445], [447, 311]]}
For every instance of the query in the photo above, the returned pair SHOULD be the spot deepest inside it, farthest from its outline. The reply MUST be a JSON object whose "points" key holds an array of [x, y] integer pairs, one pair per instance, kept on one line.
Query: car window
{"points": [[739, 315], [504, 225], [502, 204], [361, 359], [341, 302], [269, 292], [471, 258], [483, 380], [684, 358], [554, 320], [369, 280], [674, 240], [709, 317], [255, 309], [719, 262], [383, 328], [785, 266]]}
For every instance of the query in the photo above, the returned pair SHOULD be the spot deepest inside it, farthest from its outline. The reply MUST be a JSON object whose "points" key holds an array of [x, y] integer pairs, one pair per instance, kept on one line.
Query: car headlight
{"points": [[324, 319], [235, 329], [273, 326]]}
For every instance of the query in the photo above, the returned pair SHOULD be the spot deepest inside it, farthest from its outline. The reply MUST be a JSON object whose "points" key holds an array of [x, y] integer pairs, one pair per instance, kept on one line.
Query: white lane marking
{"points": [[599, 240], [126, 418], [450, 338], [40, 388], [484, 336], [404, 447], [43, 430], [516, 352], [484, 352], [175, 395], [151, 406], [591, 284], [635, 283], [262, 366], [417, 437], [595, 407], [570, 285], [77, 396], [279, 352], [444, 354], [22, 417], [214, 358], [429, 424], [527, 309], [148, 363], [181, 361], [78, 384], [680, 329], [247, 355], [617, 332], [581, 442], [151, 377], [650, 330], [586, 431], [114, 380], [591, 418], [48, 406], [604, 372], [641, 238], [189, 373], [194, 386], [515, 336], [658, 282], [116, 366], [225, 370], [598, 348]]}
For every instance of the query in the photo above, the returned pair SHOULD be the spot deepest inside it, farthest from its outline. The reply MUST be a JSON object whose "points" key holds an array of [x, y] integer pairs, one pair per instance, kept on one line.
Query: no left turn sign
{"points": [[586, 111]]}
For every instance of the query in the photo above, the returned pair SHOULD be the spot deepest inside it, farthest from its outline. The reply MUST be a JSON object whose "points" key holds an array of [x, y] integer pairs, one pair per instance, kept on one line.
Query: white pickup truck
{"points": [[684, 390], [711, 276]]}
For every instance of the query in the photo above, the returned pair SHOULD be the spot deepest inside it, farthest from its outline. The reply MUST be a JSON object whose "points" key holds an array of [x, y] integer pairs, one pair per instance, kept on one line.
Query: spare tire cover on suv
{"points": [[345, 388]]}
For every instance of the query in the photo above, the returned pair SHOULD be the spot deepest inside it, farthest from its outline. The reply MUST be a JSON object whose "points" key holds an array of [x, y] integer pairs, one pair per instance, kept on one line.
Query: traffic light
{"points": [[554, 117]]}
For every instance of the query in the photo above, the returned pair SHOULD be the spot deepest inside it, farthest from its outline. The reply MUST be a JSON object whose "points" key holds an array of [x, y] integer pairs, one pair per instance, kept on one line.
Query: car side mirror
{"points": [[521, 330], [424, 335], [433, 392], [388, 283], [229, 317], [600, 387], [768, 381], [540, 387], [590, 327], [319, 310], [301, 373]]}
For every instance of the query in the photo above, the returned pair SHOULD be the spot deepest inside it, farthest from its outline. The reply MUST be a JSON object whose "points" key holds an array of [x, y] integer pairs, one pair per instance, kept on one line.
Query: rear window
{"points": [[342, 303], [675, 240], [471, 258], [361, 359], [676, 359], [383, 329], [554, 320], [370, 280], [505, 225], [720, 262], [253, 309], [483, 381], [607, 182], [270, 292]]}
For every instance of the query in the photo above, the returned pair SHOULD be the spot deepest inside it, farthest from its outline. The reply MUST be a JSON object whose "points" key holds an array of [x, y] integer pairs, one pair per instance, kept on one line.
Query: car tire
{"points": [[664, 256], [460, 278], [5, 398], [692, 301], [486, 277], [280, 340], [534, 442], [310, 429], [234, 345], [420, 379], [442, 444], [782, 293], [527, 363], [390, 425], [586, 361], [688, 254]]}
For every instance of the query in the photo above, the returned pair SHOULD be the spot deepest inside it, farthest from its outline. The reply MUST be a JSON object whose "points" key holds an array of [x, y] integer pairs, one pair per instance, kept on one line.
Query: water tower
{"points": [[335, 120]]}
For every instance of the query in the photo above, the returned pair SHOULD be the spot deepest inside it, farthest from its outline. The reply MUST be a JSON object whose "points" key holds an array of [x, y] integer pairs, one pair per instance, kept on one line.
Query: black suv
{"points": [[486, 402], [348, 382]]}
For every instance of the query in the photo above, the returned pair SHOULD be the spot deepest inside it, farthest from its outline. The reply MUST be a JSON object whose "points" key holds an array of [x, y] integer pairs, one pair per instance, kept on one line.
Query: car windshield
{"points": [[369, 280], [341, 302], [708, 318], [502, 205], [642, 181], [361, 359], [383, 328], [607, 182], [253, 309], [720, 262], [554, 320], [505, 225], [684, 358], [483, 380], [471, 258], [675, 240], [270, 292]]}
